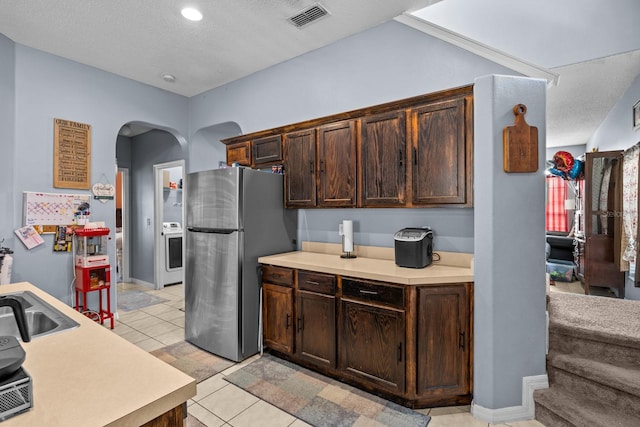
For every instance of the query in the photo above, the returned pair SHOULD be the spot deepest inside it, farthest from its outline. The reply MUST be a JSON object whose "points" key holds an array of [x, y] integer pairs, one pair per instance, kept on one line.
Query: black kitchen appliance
{"points": [[16, 394], [413, 247]]}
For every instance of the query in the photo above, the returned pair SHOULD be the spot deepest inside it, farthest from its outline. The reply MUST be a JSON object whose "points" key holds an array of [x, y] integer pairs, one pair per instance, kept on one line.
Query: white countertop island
{"points": [[89, 376]]}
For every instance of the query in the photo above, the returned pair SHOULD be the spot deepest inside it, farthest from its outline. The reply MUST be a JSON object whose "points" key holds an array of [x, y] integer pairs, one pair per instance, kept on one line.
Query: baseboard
{"points": [[526, 411], [151, 286]]}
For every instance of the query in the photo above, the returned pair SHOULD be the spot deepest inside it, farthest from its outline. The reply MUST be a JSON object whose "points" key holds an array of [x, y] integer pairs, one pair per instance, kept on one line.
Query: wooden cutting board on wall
{"points": [[520, 144]]}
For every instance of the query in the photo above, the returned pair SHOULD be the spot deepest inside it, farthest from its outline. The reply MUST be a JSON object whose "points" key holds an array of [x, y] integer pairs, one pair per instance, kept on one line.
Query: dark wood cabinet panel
{"points": [[316, 328], [375, 292], [239, 153], [382, 160], [300, 169], [337, 165], [372, 345], [267, 150], [439, 153], [443, 348], [277, 317]]}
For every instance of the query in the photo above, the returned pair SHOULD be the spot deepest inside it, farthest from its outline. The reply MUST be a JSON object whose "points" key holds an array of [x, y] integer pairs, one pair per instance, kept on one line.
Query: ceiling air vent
{"points": [[309, 15]]}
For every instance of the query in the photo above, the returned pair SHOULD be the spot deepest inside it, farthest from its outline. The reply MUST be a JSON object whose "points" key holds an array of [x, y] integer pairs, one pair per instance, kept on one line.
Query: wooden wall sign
{"points": [[520, 144], [71, 154]]}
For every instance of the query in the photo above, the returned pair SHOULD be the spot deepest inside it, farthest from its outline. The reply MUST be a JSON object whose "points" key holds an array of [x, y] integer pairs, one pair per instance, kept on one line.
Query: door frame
{"points": [[158, 218], [126, 224]]}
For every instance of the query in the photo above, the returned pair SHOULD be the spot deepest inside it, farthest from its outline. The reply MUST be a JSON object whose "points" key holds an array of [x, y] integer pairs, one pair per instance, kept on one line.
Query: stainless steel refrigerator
{"points": [[233, 216]]}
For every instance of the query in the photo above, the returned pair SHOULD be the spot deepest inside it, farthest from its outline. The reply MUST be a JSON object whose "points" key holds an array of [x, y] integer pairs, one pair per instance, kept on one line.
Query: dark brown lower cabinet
{"points": [[443, 344], [277, 317], [316, 328], [372, 344], [410, 344]]}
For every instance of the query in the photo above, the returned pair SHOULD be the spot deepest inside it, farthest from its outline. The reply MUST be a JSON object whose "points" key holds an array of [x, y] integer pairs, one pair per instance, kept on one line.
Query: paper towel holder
{"points": [[345, 229]]}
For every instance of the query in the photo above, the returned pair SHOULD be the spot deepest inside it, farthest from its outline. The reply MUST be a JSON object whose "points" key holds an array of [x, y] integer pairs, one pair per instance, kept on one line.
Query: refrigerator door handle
{"points": [[211, 230]]}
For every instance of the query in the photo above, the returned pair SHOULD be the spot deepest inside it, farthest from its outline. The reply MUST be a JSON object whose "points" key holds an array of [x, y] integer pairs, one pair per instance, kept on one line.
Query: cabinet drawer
{"points": [[317, 282], [374, 292], [277, 275]]}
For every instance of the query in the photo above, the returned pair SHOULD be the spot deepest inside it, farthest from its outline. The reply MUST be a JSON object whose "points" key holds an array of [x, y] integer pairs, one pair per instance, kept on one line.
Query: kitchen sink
{"points": [[42, 318]]}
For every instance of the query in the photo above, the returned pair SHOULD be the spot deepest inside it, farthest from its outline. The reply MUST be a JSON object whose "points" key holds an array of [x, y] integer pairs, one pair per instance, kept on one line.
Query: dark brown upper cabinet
{"points": [[300, 169], [383, 160], [267, 150], [440, 153], [337, 165], [414, 152]]}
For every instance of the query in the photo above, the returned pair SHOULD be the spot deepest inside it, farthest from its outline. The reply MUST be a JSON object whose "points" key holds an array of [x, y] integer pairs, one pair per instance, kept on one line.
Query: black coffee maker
{"points": [[414, 247]]}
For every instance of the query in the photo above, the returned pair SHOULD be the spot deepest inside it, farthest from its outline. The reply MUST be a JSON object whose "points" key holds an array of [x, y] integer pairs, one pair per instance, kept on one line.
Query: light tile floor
{"points": [[219, 403]]}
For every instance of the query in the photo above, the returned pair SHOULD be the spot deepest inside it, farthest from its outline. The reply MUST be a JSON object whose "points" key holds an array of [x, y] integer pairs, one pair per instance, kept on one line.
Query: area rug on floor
{"points": [[134, 300], [319, 400], [191, 360]]}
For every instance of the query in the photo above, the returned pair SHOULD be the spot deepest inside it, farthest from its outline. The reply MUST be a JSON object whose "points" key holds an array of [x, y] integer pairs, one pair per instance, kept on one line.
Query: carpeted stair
{"points": [[593, 363]]}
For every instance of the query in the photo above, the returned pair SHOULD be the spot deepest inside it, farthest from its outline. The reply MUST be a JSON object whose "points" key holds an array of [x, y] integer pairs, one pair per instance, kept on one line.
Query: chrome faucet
{"points": [[18, 314]]}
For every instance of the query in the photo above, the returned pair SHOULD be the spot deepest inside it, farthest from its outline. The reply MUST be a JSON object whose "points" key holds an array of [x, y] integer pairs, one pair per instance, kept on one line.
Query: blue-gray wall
{"points": [[617, 133], [509, 275], [7, 143], [48, 87]]}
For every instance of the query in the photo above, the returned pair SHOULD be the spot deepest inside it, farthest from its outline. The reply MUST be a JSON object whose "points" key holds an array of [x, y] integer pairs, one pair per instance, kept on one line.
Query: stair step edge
{"points": [[582, 412], [591, 335], [624, 378]]}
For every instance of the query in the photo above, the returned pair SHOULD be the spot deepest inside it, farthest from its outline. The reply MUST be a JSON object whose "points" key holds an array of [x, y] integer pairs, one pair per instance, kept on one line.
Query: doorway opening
{"points": [[169, 223]]}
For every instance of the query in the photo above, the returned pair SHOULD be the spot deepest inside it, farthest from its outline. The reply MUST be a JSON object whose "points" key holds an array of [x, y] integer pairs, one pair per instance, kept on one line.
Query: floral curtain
{"points": [[629, 206], [556, 214]]}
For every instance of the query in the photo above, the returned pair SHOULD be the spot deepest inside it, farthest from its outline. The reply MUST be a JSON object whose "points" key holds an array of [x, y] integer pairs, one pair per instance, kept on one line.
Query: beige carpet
{"points": [[610, 318], [191, 360]]}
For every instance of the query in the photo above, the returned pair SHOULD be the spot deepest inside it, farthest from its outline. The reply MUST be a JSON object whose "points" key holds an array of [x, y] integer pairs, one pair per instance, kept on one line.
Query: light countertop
{"points": [[374, 264], [89, 376]]}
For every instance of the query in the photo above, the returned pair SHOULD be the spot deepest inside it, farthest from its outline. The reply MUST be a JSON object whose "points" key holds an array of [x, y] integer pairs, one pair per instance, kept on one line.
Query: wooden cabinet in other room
{"points": [[382, 160], [372, 334], [443, 356], [603, 222], [277, 308], [316, 318], [239, 153], [441, 155]]}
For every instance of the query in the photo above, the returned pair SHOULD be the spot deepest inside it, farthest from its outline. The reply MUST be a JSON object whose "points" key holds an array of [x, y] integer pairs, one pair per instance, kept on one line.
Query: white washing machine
{"points": [[172, 271]]}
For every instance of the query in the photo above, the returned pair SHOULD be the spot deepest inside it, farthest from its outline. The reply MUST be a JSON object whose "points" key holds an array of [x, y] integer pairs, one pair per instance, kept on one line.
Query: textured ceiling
{"points": [[144, 39]]}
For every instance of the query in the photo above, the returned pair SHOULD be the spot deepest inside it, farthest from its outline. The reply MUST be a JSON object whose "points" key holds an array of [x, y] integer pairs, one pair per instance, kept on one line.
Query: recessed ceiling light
{"points": [[169, 78], [191, 14]]}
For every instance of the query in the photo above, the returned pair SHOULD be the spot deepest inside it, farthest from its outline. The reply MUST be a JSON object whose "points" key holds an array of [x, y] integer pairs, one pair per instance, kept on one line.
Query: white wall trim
{"points": [[524, 67], [526, 411]]}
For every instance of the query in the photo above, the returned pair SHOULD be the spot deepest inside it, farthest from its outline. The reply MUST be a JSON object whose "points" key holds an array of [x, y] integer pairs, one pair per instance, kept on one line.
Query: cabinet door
{"points": [[316, 328], [337, 164], [382, 160], [277, 317], [439, 153], [239, 153], [443, 361], [300, 169], [267, 149], [372, 345]]}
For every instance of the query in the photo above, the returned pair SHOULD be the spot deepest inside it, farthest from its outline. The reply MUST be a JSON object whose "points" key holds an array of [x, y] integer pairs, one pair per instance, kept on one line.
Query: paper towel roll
{"points": [[346, 231]]}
